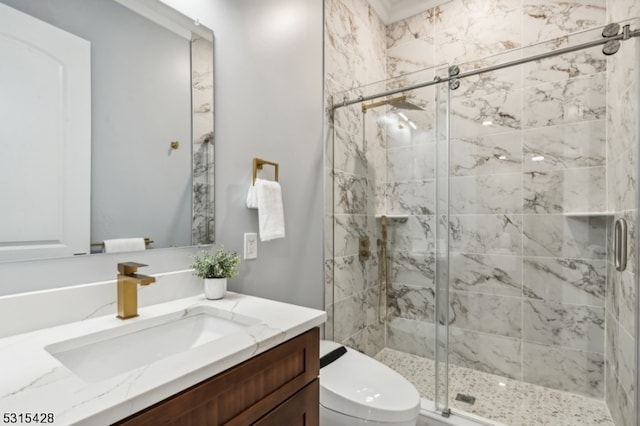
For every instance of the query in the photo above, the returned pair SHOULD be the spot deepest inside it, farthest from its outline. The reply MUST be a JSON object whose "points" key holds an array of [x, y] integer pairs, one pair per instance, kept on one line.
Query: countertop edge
{"points": [[162, 392]]}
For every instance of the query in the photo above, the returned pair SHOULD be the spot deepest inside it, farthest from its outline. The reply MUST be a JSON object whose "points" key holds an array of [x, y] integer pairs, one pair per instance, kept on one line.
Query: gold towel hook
{"points": [[257, 165]]}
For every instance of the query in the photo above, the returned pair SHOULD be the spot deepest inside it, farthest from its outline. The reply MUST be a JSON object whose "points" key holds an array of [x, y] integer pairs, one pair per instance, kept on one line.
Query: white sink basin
{"points": [[105, 354]]}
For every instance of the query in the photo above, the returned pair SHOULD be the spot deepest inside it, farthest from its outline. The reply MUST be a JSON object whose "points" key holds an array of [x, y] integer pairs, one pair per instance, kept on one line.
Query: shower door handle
{"points": [[620, 244]]}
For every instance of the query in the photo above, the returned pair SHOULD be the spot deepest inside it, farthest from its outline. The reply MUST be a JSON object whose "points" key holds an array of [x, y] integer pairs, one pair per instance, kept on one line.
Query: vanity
{"points": [[278, 387], [239, 360]]}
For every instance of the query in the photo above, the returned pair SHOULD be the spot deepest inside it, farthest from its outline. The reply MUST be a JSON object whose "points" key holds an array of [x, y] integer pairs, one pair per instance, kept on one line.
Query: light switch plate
{"points": [[250, 245]]}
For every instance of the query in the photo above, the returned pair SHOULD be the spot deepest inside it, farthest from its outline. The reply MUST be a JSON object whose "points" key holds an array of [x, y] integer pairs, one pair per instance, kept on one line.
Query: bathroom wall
{"points": [[354, 55], [268, 99]]}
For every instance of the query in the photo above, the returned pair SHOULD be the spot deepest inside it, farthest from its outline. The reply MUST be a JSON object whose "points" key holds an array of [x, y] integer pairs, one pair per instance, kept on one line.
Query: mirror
{"points": [[151, 132]]}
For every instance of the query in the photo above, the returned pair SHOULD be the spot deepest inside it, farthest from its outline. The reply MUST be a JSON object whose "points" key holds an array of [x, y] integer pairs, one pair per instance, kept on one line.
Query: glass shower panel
{"points": [[441, 402], [383, 185], [621, 306], [357, 290], [542, 161], [411, 209], [351, 290]]}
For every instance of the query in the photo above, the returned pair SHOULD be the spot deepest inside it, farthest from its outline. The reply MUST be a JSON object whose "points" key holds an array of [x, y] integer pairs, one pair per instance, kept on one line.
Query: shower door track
{"points": [[626, 34]]}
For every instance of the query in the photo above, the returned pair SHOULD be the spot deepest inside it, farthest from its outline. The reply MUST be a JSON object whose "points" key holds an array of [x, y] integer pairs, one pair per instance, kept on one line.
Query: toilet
{"points": [[355, 389]]}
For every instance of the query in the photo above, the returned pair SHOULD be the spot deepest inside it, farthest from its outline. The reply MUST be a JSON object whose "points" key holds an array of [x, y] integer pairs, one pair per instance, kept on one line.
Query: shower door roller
{"points": [[620, 244]]}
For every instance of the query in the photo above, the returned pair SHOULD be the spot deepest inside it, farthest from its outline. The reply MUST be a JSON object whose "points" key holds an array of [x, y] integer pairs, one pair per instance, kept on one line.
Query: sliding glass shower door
{"points": [[542, 168]]}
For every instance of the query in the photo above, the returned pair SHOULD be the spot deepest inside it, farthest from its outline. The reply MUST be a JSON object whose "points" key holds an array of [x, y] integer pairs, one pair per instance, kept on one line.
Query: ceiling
{"points": [[395, 10]]}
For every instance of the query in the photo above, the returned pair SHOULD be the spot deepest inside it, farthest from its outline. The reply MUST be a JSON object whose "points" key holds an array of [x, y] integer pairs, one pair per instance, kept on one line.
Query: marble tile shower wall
{"points": [[528, 279], [354, 56], [528, 293]]}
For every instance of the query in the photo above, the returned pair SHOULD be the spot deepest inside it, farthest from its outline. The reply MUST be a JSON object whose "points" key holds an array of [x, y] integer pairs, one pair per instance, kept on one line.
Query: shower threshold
{"points": [[429, 417], [499, 400]]}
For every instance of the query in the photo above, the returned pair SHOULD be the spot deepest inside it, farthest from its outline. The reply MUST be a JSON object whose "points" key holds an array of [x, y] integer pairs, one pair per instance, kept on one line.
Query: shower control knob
{"points": [[365, 248]]}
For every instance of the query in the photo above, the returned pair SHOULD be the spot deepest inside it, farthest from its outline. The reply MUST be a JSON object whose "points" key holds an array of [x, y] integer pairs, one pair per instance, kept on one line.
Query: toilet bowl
{"points": [[358, 390]]}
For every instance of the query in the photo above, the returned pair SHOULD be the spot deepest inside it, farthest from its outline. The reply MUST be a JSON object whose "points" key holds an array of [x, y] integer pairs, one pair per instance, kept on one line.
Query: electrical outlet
{"points": [[250, 245]]}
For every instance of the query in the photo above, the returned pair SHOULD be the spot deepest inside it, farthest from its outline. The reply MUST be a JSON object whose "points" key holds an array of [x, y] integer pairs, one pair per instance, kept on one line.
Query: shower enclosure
{"points": [[498, 195]]}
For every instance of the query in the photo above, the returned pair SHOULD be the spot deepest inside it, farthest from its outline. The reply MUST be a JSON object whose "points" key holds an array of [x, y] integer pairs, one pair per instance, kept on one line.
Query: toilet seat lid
{"points": [[359, 386]]}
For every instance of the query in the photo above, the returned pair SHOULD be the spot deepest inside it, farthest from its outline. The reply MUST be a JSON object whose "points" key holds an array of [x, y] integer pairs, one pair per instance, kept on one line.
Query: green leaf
{"points": [[221, 264]]}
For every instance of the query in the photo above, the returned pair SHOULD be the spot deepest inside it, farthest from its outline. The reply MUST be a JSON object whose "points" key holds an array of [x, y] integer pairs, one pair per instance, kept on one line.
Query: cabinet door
{"points": [[246, 393], [302, 409]]}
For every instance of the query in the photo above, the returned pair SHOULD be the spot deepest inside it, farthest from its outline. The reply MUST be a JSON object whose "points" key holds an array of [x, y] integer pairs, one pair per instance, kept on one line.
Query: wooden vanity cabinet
{"points": [[279, 387]]}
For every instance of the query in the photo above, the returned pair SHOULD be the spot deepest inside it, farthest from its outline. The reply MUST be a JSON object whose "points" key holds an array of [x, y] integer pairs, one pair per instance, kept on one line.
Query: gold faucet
{"points": [[128, 281]]}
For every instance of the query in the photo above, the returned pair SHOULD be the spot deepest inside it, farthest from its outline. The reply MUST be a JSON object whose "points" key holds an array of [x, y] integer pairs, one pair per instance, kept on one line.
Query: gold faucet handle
{"points": [[144, 279], [129, 268]]}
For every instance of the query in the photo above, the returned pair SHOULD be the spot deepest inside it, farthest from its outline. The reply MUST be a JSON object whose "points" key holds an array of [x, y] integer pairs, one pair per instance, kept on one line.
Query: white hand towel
{"points": [[124, 244], [270, 210], [252, 197]]}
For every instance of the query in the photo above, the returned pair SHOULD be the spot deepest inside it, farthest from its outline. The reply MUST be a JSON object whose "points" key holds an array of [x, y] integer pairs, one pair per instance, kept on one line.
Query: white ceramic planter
{"points": [[215, 288]]}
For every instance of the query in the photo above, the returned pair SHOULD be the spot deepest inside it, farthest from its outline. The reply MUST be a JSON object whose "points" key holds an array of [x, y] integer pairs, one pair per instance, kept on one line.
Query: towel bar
{"points": [[147, 241], [257, 165]]}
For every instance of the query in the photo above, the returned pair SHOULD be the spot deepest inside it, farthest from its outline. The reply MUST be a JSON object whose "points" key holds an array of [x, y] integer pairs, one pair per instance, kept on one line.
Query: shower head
{"points": [[406, 105], [400, 103]]}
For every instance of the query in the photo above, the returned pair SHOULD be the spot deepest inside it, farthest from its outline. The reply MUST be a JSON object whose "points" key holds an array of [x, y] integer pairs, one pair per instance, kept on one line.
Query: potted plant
{"points": [[215, 268]]}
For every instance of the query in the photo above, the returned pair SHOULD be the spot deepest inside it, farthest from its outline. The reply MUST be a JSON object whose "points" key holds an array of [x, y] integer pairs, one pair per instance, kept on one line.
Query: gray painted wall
{"points": [[268, 101]]}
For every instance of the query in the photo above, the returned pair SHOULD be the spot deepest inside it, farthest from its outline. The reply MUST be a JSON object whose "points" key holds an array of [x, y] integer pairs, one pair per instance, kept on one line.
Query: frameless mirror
{"points": [[143, 120]]}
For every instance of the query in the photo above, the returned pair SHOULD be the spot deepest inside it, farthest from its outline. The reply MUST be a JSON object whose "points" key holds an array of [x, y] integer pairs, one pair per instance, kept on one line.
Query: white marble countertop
{"points": [[33, 381]]}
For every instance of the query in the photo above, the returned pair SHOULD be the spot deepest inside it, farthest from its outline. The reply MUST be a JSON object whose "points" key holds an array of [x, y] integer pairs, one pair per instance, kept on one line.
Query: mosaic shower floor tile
{"points": [[500, 399]]}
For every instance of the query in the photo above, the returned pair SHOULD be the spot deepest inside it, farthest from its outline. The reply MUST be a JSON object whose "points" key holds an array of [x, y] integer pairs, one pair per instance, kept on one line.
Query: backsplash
{"points": [[24, 312]]}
